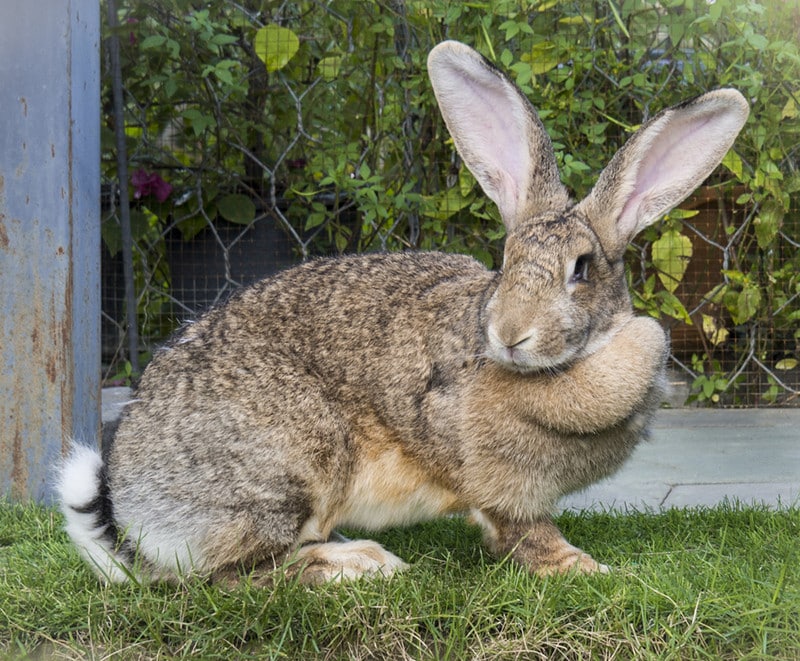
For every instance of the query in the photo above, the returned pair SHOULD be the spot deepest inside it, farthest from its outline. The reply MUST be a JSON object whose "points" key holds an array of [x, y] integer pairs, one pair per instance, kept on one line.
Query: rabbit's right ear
{"points": [[662, 164], [497, 132]]}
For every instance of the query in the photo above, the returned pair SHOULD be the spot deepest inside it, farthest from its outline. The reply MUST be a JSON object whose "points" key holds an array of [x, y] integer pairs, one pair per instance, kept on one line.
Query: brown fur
{"points": [[382, 389]]}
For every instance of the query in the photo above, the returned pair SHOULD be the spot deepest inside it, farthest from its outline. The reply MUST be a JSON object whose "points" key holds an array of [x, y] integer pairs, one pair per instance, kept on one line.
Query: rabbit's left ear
{"points": [[661, 165], [497, 132]]}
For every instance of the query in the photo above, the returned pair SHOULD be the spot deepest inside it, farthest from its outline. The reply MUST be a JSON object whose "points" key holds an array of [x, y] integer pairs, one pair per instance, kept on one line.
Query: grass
{"points": [[719, 583]]}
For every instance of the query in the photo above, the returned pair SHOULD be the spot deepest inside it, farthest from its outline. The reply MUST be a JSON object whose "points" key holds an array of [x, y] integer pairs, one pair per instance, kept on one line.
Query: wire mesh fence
{"points": [[261, 134]]}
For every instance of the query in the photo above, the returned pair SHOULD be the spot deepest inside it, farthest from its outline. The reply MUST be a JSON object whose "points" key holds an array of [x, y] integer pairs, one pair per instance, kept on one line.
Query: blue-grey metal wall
{"points": [[49, 237]]}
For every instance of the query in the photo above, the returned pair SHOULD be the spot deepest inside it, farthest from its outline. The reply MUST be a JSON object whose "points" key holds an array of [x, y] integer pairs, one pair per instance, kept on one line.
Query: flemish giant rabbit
{"points": [[383, 389]]}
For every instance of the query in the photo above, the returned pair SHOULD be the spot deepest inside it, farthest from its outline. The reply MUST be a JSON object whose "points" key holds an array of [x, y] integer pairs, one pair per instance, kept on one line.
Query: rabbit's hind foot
{"points": [[348, 560]]}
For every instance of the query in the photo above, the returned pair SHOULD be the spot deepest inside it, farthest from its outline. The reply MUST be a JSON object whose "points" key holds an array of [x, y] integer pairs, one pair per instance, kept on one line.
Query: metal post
{"points": [[124, 202], [49, 237]]}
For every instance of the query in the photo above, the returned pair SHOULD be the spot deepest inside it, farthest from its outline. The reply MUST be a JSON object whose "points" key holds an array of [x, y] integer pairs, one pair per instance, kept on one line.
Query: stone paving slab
{"points": [[700, 457]]}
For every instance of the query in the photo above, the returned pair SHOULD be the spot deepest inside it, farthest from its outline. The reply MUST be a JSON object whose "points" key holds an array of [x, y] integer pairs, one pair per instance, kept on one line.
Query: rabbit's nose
{"points": [[507, 336], [512, 347]]}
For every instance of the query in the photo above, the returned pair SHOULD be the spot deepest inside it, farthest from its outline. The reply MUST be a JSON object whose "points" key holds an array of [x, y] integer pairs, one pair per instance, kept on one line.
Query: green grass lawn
{"points": [[688, 584]]}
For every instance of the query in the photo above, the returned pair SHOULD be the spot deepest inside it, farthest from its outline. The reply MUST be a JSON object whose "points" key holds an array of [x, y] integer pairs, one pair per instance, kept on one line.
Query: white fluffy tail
{"points": [[85, 504]]}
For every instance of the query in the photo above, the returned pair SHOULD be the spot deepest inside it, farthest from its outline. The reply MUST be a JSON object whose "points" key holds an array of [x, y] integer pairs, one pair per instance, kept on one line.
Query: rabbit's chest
{"points": [[388, 489]]}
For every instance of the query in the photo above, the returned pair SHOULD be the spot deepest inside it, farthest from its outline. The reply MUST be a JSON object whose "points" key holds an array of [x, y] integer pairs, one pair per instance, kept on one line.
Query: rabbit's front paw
{"points": [[644, 338], [539, 546], [633, 359], [573, 560], [621, 378]]}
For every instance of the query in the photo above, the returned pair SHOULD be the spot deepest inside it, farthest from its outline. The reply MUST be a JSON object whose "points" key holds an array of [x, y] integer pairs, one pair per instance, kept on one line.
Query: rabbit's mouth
{"points": [[529, 355]]}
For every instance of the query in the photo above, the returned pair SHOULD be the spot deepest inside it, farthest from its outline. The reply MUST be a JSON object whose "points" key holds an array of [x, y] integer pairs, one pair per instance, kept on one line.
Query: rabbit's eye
{"points": [[581, 270]]}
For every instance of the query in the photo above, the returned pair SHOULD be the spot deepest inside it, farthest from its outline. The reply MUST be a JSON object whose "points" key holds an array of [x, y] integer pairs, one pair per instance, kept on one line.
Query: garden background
{"points": [[257, 134]]}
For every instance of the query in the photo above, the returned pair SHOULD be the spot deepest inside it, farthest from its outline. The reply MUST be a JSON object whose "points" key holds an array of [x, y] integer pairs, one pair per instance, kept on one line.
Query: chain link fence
{"points": [[261, 134]]}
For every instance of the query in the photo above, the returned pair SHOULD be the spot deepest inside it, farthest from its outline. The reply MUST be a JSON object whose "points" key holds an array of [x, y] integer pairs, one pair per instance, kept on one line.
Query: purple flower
{"points": [[132, 34], [145, 184]]}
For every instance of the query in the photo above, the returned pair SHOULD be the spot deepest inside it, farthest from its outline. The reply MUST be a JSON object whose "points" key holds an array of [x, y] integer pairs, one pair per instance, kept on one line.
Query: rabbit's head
{"points": [[562, 285]]}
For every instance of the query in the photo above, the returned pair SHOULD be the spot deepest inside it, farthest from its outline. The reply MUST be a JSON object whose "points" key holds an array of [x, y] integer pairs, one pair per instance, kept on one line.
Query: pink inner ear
{"points": [[668, 172], [498, 137]]}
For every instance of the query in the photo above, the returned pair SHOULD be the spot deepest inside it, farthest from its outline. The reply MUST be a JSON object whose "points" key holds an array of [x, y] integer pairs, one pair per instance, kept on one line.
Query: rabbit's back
{"points": [[362, 326]]}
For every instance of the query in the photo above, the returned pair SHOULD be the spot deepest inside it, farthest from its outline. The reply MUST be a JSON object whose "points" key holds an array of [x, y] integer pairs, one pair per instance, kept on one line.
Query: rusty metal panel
{"points": [[49, 237]]}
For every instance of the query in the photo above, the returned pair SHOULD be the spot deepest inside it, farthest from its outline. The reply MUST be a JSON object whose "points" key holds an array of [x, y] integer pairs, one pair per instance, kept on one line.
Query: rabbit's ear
{"points": [[662, 164], [496, 131]]}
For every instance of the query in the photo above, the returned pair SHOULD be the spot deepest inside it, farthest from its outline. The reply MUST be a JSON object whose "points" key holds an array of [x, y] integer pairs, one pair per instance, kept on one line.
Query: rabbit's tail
{"points": [[86, 504]]}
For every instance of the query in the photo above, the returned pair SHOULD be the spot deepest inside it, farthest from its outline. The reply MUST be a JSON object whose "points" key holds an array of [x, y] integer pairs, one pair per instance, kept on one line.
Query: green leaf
{"points": [[223, 39], [715, 333], [746, 305], [671, 255], [174, 48], [715, 11], [768, 223], [191, 227], [523, 72], [446, 204], [716, 295], [542, 57], [786, 364], [237, 209], [198, 120], [153, 41], [758, 41], [574, 20], [315, 220], [670, 305], [618, 19], [683, 214], [466, 181], [328, 67], [733, 162], [511, 29], [676, 31], [275, 46], [483, 256], [737, 277], [792, 183], [112, 235]]}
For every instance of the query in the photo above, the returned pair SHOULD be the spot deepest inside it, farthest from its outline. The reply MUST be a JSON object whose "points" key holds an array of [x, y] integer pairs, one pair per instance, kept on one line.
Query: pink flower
{"points": [[132, 34], [145, 184]]}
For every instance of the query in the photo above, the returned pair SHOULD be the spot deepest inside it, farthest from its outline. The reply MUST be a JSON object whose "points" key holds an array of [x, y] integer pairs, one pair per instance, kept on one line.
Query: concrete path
{"points": [[696, 457], [701, 457]]}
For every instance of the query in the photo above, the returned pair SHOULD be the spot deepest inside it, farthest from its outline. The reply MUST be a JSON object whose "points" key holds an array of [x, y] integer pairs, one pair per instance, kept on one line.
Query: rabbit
{"points": [[383, 389]]}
